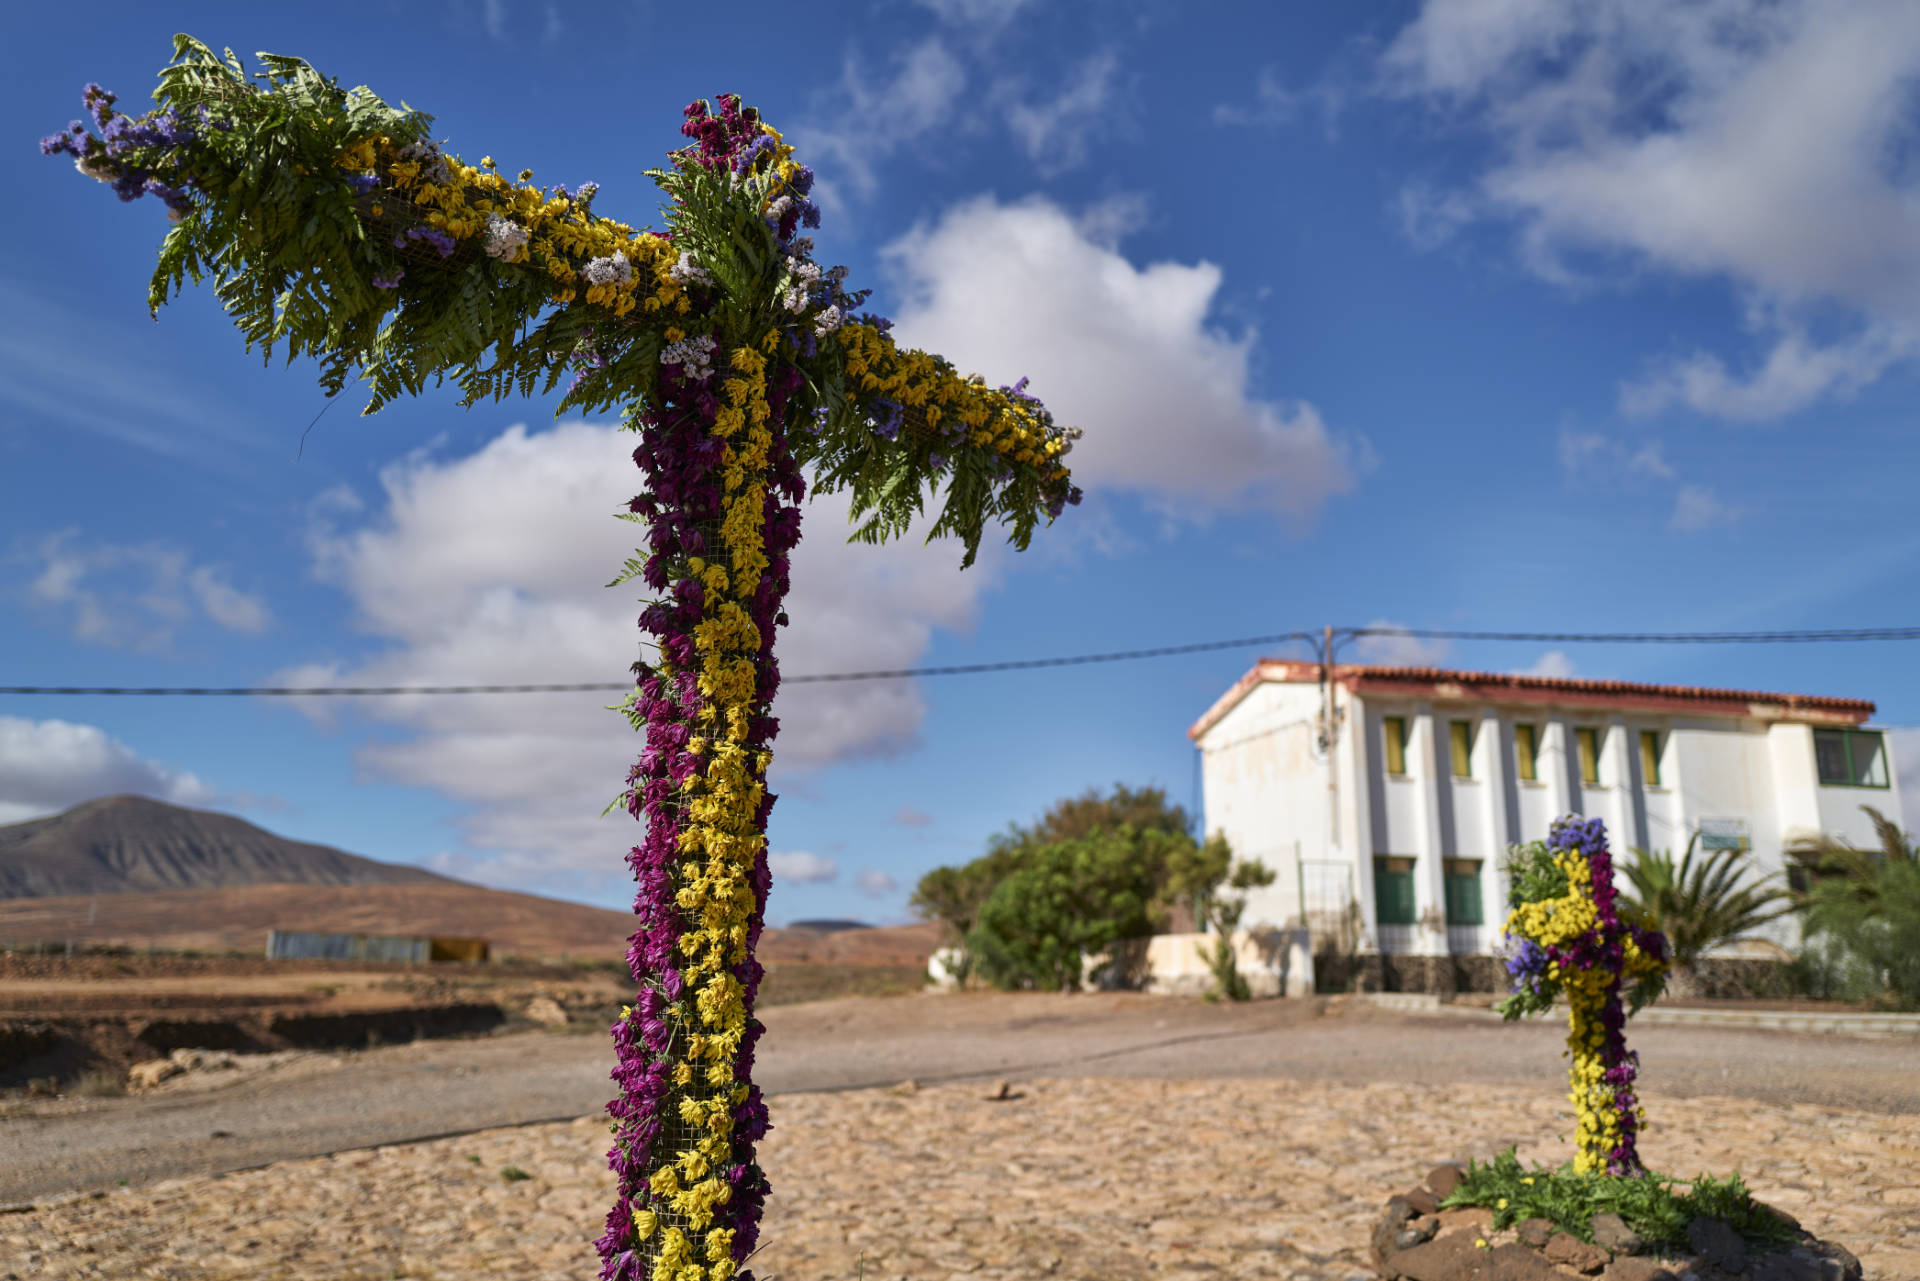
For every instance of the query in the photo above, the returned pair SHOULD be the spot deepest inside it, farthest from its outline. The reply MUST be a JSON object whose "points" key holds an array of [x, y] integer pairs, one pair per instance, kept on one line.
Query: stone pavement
{"points": [[1097, 1179]]}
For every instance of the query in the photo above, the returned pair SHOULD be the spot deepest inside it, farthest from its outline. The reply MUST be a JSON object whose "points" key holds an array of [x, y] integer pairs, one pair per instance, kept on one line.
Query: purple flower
{"points": [[389, 282]]}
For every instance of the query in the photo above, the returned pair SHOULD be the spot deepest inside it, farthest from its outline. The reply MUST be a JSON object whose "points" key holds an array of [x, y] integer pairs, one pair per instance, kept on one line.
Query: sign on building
{"points": [[1724, 834]]}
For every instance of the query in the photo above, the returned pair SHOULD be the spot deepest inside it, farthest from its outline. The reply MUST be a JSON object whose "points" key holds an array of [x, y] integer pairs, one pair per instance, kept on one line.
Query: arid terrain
{"points": [[63, 1018], [1140, 1138]]}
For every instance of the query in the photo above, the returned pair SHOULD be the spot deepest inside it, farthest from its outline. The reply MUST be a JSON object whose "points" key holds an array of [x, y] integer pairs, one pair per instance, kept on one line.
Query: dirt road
{"points": [[335, 1102]]}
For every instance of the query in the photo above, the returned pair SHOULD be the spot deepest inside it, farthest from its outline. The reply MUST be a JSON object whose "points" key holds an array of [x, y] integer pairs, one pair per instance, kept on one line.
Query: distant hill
{"points": [[134, 844], [237, 920], [829, 927]]}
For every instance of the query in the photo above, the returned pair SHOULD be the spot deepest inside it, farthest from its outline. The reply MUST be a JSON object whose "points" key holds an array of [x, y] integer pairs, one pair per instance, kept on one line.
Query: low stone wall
{"points": [[1446, 975]]}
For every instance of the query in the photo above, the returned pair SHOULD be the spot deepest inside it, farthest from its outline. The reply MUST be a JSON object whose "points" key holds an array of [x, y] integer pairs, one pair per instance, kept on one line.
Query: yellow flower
{"points": [[1480, 1243], [1501, 1204]]}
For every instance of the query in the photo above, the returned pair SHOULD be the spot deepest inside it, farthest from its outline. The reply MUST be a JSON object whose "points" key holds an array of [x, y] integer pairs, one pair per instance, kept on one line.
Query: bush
{"points": [[1863, 916], [1653, 1206], [1068, 901]]}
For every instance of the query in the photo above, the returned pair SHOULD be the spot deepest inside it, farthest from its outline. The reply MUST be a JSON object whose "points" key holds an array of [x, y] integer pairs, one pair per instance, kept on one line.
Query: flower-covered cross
{"points": [[1566, 935], [333, 224]]}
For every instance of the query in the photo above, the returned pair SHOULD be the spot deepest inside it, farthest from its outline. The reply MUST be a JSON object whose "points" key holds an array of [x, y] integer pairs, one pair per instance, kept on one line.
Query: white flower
{"points": [[801, 247], [826, 322], [614, 270], [795, 300], [505, 238], [807, 271], [837, 274], [778, 209], [687, 271], [693, 355]]}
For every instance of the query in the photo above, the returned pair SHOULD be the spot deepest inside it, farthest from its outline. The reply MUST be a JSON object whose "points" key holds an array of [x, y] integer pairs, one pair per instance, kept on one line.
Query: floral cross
{"points": [[1566, 936], [335, 225]]}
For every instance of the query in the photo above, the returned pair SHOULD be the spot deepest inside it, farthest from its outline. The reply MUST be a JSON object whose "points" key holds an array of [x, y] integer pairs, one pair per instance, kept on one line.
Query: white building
{"points": [[1386, 797]]}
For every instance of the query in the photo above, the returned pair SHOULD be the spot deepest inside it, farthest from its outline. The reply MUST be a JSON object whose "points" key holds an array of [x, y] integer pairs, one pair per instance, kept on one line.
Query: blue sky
{"points": [[1510, 315]]}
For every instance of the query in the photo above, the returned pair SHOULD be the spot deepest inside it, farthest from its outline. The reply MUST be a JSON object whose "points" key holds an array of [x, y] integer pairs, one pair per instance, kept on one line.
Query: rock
{"points": [[906, 1089], [1384, 1243], [1443, 1179], [1717, 1244], [1629, 1268], [1419, 1232], [1574, 1253], [1611, 1231], [1798, 1264], [545, 1011], [1423, 1201], [1534, 1232], [1446, 1258], [144, 1076], [1003, 1092]]}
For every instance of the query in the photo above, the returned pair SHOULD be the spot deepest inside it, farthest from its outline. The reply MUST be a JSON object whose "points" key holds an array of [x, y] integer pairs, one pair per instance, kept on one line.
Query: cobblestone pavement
{"points": [[1093, 1179]]}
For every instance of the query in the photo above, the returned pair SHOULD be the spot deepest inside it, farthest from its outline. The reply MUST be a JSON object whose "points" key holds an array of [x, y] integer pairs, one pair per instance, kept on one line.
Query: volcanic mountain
{"points": [[134, 844]]}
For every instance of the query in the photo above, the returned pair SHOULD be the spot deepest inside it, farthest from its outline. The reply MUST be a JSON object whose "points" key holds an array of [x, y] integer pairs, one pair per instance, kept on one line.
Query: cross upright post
{"points": [[333, 225]]}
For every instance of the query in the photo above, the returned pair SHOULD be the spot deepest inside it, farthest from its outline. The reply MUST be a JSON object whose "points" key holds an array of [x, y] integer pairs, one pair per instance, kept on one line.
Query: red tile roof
{"points": [[1448, 684]]}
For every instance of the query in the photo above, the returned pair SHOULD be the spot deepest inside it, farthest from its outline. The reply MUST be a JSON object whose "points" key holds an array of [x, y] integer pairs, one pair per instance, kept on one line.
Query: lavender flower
{"points": [[389, 282]]}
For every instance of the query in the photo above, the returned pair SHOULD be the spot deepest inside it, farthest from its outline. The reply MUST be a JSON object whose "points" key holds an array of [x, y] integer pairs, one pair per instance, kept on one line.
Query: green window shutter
{"points": [[1393, 900], [1588, 743], [1464, 906], [1650, 757]]}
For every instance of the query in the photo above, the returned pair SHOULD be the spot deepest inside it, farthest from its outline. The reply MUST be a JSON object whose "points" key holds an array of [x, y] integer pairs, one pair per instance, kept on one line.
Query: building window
{"points": [[1650, 757], [1587, 741], [1850, 757], [1395, 730], [1460, 740], [1526, 752], [1464, 904], [1393, 891]]}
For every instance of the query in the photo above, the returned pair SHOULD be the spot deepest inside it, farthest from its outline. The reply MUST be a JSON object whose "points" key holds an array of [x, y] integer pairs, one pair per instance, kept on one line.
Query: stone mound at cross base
{"points": [[1416, 1240]]}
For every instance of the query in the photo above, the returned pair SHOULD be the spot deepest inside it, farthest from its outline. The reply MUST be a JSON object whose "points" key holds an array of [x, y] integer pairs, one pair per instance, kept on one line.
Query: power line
{"points": [[1834, 635], [1654, 638]]}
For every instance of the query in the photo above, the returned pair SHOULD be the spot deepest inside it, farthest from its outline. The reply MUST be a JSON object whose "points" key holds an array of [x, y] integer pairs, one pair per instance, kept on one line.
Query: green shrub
{"points": [[1654, 1206]]}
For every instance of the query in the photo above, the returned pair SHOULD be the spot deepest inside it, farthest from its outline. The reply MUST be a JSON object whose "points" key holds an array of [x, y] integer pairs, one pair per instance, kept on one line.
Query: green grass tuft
{"points": [[514, 1174], [1654, 1206]]}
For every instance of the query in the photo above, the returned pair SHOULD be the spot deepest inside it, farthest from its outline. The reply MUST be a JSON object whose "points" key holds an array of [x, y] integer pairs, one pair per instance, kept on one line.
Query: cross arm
{"points": [[332, 224]]}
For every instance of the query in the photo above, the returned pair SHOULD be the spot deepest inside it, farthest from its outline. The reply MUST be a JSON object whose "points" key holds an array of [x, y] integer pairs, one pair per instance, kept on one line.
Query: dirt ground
{"points": [[90, 1017], [1142, 1139]]}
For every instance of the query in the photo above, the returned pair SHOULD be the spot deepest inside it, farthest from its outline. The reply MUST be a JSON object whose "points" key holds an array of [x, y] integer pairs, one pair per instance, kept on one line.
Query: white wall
{"points": [[1265, 790]]}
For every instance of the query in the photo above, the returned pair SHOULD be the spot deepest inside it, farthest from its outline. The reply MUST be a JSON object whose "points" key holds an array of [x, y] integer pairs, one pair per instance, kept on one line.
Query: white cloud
{"points": [[1905, 746], [1593, 460], [1696, 507], [798, 865], [1764, 144], [1399, 651], [49, 766], [520, 597], [146, 590], [1275, 104], [1553, 663], [875, 883], [912, 816], [987, 15], [873, 117], [1430, 216], [1125, 352], [1056, 133]]}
